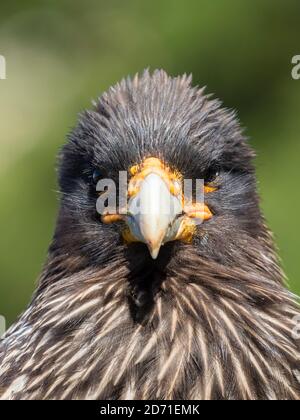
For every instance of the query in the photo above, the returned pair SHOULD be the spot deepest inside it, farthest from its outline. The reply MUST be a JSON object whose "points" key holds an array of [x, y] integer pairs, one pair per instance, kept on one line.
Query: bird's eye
{"points": [[96, 176], [211, 175]]}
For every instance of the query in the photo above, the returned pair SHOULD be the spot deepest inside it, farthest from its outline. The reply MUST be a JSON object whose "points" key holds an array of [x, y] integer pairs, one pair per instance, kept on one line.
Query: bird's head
{"points": [[177, 165], [161, 280]]}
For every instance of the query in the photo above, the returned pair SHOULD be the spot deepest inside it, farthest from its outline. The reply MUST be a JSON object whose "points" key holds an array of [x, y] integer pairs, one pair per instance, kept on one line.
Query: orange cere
{"points": [[153, 165]]}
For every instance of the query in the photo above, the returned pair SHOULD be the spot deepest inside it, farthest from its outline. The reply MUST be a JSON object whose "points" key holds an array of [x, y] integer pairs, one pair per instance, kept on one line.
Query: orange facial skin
{"points": [[199, 211], [209, 189], [111, 218], [153, 165], [173, 180]]}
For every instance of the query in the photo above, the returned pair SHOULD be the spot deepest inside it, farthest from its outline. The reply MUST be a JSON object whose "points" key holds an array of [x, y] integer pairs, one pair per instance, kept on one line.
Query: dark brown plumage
{"points": [[210, 319]]}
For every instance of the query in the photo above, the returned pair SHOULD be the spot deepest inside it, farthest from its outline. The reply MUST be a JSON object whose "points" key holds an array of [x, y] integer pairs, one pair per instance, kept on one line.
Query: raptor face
{"points": [[158, 211], [170, 293], [160, 132]]}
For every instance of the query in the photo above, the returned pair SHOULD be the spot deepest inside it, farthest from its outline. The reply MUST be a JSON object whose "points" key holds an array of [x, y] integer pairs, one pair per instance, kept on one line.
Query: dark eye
{"points": [[211, 175], [96, 176]]}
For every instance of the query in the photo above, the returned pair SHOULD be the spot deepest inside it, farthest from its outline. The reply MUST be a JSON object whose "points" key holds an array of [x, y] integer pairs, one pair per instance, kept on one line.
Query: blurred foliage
{"points": [[61, 54]]}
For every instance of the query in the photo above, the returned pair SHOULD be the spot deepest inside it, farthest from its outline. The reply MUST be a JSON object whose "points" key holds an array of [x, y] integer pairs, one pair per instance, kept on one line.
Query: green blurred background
{"points": [[61, 54]]}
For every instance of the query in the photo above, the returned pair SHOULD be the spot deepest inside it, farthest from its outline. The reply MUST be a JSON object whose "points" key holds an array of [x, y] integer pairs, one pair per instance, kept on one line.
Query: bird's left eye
{"points": [[211, 175], [96, 176]]}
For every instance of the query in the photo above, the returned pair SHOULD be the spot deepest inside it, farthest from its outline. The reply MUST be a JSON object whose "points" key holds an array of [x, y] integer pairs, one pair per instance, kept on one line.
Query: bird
{"points": [[172, 294]]}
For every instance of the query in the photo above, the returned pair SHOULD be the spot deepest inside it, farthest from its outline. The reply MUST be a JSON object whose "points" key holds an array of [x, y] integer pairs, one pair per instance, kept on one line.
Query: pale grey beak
{"points": [[154, 214]]}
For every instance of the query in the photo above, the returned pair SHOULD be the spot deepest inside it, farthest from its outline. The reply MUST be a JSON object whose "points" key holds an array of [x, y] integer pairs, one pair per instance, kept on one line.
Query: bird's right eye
{"points": [[211, 175], [96, 176]]}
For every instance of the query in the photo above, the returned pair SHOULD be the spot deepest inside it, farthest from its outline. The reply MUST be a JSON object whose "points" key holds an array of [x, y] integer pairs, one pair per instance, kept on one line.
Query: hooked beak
{"points": [[153, 213], [157, 211]]}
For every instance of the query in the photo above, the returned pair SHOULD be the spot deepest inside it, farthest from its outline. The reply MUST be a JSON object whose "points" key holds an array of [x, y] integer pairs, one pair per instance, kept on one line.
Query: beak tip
{"points": [[154, 255], [154, 251]]}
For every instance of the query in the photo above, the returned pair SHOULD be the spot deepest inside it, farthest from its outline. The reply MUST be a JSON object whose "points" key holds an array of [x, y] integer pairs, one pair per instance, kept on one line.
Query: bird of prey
{"points": [[189, 303]]}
